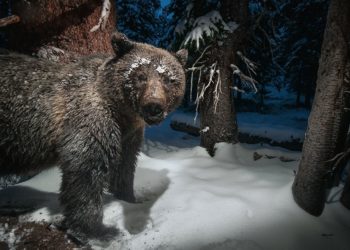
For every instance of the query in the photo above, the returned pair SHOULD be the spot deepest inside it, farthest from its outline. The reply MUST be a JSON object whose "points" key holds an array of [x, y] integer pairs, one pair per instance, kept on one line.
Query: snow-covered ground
{"points": [[189, 200]]}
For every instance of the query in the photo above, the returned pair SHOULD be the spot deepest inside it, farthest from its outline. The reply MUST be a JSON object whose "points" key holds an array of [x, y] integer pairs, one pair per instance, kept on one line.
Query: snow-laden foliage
{"points": [[193, 30], [209, 25]]}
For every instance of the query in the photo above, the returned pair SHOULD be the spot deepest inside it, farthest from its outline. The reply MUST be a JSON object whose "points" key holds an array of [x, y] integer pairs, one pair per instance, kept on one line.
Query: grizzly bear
{"points": [[88, 117]]}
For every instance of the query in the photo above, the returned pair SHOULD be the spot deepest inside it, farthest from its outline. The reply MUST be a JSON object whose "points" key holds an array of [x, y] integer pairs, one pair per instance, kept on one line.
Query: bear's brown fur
{"points": [[88, 117]]}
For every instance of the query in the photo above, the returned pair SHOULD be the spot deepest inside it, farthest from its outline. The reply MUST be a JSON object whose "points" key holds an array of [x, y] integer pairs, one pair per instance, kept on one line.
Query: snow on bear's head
{"points": [[153, 79]]}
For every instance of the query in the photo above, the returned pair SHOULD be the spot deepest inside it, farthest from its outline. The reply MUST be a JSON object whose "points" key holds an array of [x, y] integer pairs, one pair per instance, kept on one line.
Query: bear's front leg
{"points": [[85, 168], [122, 175]]}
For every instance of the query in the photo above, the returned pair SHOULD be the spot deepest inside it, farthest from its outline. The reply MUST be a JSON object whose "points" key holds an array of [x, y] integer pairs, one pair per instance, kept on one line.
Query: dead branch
{"points": [[244, 78], [196, 68], [9, 20], [213, 69], [106, 10]]}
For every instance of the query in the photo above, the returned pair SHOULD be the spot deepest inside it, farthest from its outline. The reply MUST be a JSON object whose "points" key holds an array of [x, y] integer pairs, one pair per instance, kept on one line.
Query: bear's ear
{"points": [[182, 56], [121, 44]]}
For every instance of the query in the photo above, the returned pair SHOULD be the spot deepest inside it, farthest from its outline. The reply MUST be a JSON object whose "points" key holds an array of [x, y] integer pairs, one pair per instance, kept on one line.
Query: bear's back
{"points": [[33, 96]]}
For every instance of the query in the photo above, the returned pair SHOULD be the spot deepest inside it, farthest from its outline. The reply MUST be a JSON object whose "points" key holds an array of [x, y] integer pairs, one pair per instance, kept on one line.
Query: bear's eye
{"points": [[141, 78], [172, 81]]}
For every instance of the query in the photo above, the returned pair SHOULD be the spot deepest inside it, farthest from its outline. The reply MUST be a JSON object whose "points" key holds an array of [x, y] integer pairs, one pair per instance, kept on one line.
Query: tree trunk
{"points": [[328, 121], [262, 98], [220, 125], [345, 198], [218, 122], [64, 24], [299, 85]]}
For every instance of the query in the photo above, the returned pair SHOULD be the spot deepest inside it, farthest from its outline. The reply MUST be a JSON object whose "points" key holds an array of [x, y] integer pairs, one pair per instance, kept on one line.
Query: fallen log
{"points": [[294, 144]]}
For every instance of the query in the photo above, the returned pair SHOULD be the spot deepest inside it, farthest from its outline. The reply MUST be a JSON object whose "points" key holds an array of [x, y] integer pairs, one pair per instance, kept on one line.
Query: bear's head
{"points": [[153, 80]]}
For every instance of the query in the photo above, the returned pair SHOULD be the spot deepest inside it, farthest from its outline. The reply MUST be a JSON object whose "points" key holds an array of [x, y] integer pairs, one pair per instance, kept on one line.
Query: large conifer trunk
{"points": [[345, 198], [64, 24], [219, 125], [329, 119]]}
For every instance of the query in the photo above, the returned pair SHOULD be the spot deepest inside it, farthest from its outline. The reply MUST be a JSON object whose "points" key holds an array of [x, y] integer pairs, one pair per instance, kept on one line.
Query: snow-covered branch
{"points": [[206, 26], [106, 10]]}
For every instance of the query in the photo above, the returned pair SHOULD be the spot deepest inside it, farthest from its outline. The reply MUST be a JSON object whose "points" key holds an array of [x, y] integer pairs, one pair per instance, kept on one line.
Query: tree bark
{"points": [[329, 121], [220, 125], [64, 24], [345, 198]]}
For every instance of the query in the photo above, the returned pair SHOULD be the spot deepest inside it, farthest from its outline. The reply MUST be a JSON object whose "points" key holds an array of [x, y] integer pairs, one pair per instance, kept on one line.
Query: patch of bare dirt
{"points": [[32, 235]]}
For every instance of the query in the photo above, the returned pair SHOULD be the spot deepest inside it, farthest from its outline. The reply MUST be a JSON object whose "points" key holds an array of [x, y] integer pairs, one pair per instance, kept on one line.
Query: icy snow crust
{"points": [[189, 200]]}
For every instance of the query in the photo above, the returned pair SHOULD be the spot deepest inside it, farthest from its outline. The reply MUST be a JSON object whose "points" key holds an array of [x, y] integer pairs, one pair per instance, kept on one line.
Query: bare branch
{"points": [[106, 10], [196, 68], [251, 66], [244, 78], [217, 89]]}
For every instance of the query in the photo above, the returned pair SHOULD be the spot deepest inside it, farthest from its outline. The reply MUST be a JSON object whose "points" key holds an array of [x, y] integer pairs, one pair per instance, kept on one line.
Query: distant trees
{"points": [[285, 43], [330, 116], [304, 22], [140, 20]]}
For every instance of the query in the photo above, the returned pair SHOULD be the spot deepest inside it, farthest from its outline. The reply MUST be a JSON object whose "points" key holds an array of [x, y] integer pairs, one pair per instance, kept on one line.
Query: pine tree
{"points": [[214, 32]]}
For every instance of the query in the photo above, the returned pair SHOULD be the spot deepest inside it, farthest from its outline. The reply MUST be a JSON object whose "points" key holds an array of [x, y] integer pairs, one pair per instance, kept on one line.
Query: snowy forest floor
{"points": [[188, 200]]}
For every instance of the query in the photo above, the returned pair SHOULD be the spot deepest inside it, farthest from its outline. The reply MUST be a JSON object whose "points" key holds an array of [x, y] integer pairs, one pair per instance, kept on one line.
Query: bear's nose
{"points": [[153, 110]]}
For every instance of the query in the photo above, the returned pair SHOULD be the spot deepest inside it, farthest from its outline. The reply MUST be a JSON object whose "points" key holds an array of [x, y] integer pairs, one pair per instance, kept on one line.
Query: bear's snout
{"points": [[153, 113]]}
